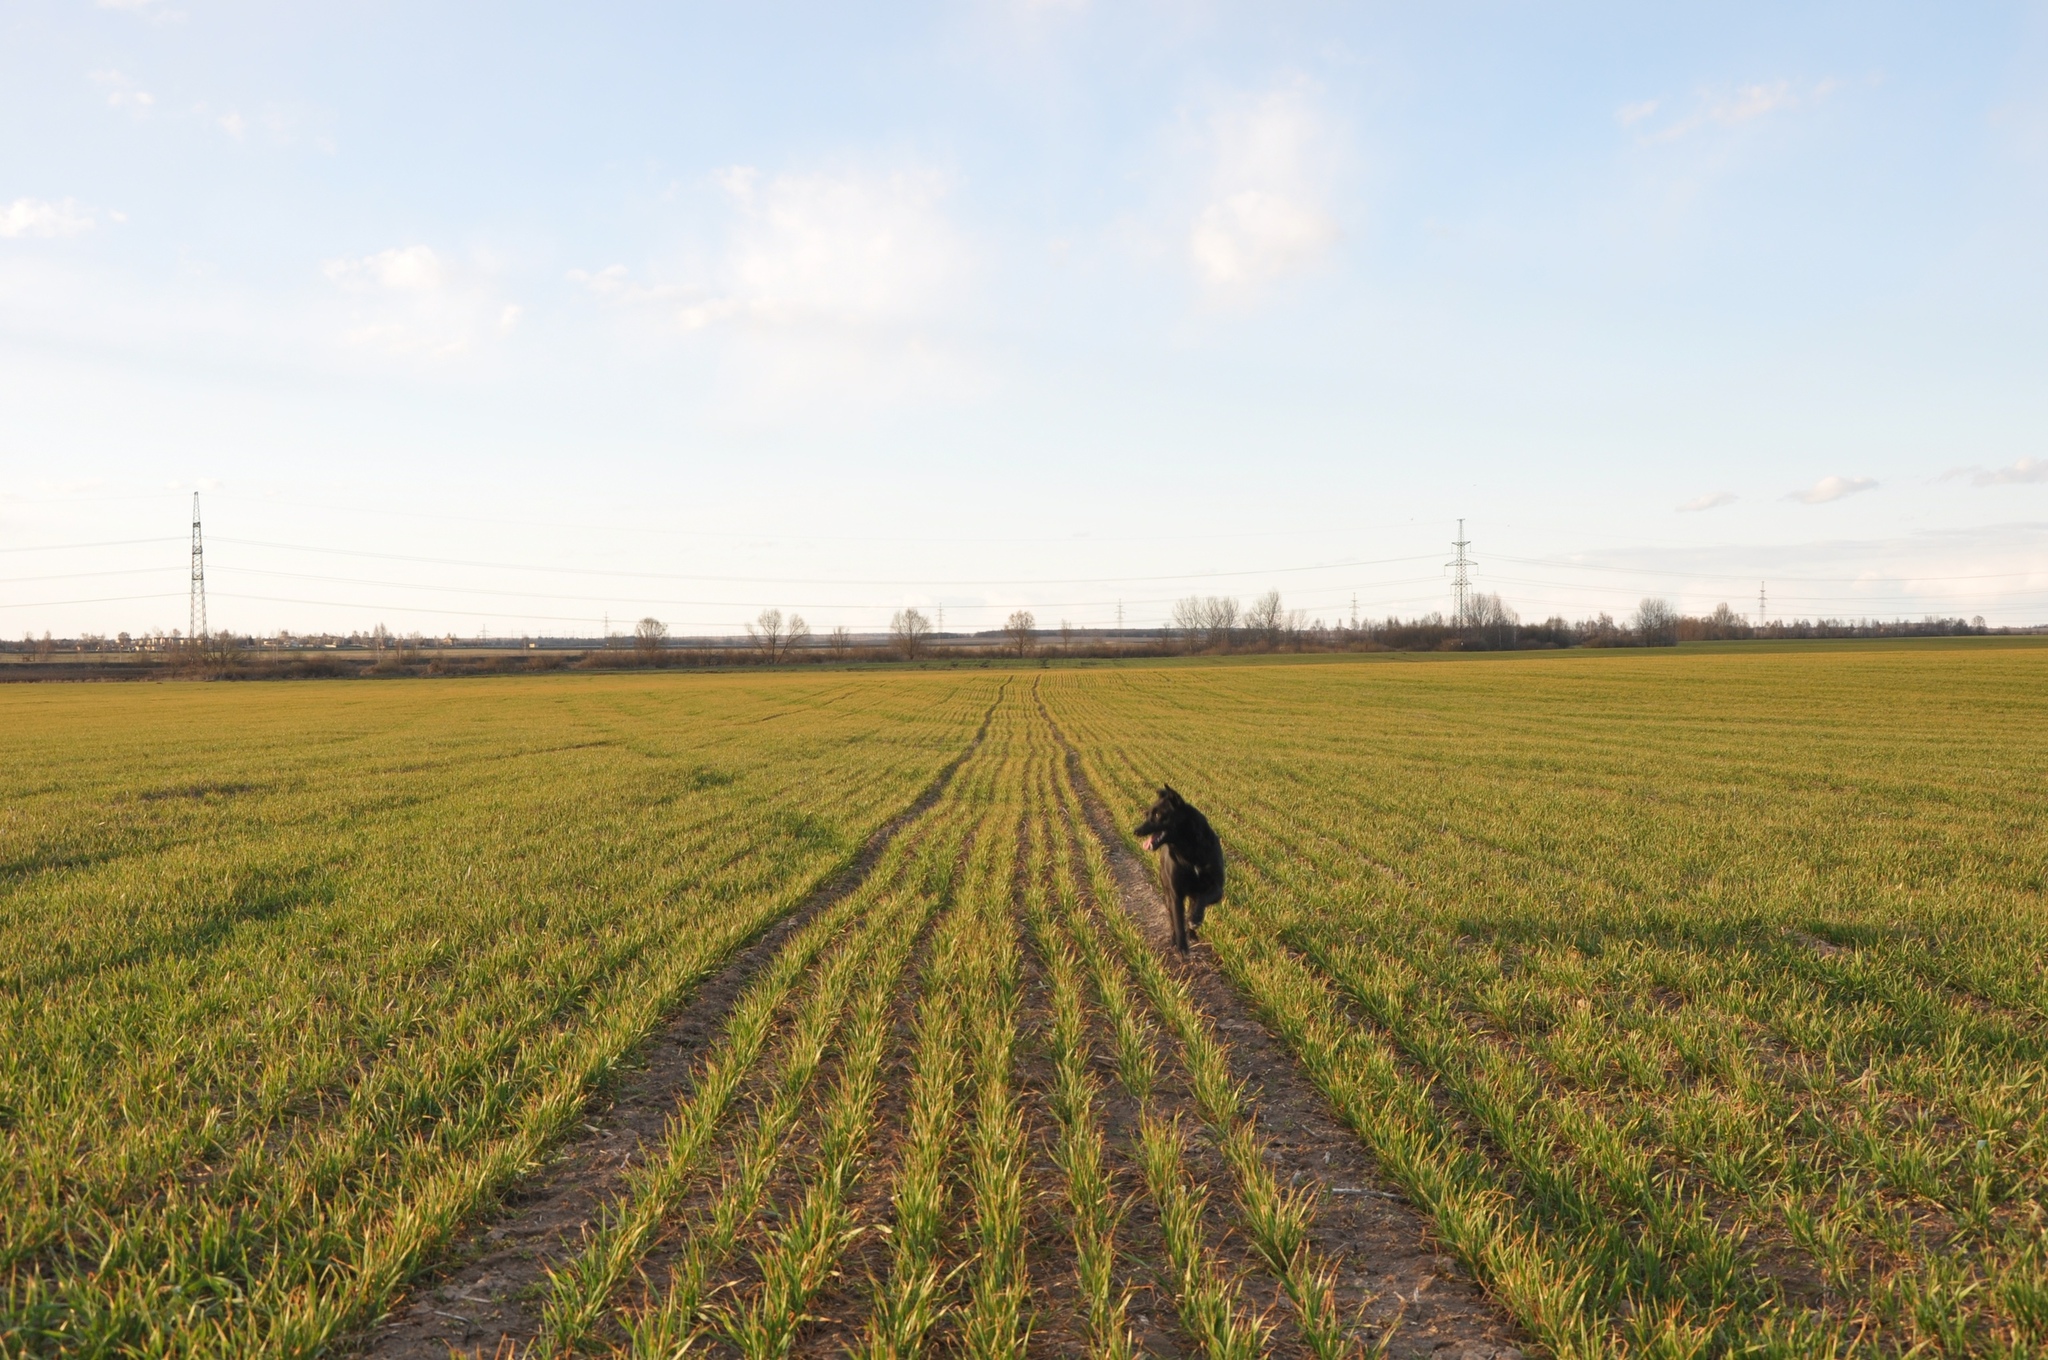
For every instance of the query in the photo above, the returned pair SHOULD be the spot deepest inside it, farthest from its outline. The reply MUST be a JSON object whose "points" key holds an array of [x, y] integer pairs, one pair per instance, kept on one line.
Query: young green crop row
{"points": [[752, 1211], [1671, 1087], [294, 981]]}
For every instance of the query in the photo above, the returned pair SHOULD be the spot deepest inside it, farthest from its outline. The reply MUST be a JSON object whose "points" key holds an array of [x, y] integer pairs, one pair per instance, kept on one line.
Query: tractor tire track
{"points": [[1393, 1265]]}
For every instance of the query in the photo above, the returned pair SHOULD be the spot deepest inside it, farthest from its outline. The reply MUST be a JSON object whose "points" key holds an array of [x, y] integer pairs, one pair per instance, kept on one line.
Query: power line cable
{"points": [[926, 584]]}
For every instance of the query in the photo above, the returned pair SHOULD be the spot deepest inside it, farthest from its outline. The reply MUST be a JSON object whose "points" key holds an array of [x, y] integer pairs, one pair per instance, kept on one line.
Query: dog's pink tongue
{"points": [[1152, 842]]}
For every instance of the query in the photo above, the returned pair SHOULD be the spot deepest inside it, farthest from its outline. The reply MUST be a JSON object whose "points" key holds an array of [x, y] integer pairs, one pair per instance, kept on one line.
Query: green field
{"points": [[1694, 1000]]}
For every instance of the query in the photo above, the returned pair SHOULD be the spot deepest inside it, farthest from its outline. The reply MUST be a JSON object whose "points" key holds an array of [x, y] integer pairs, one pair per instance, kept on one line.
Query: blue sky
{"points": [[509, 318]]}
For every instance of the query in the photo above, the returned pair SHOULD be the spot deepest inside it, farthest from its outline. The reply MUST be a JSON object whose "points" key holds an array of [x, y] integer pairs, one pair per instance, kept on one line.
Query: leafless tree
{"points": [[840, 641], [910, 628], [774, 637], [1189, 621], [221, 653], [1265, 617], [1491, 623], [45, 647], [1722, 624], [1656, 622], [1019, 626], [765, 632], [1066, 637], [1219, 619], [650, 636]]}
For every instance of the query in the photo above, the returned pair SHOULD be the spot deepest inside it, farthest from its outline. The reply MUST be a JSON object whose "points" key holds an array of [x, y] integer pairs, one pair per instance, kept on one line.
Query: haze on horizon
{"points": [[513, 318]]}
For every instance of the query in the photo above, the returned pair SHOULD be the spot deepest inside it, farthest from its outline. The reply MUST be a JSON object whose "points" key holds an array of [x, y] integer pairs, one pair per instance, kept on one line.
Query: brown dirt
{"points": [[485, 1298], [1392, 1266]]}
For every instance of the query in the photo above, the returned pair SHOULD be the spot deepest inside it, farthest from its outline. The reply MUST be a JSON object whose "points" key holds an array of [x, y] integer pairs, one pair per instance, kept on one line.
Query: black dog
{"points": [[1190, 860]]}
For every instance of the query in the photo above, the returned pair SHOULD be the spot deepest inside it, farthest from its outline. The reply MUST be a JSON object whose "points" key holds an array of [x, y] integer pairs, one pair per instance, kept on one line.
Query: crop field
{"points": [[1700, 1001], [1663, 1004]]}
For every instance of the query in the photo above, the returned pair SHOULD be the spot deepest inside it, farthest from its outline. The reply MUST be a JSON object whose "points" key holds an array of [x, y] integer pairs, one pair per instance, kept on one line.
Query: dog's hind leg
{"points": [[1180, 923]]}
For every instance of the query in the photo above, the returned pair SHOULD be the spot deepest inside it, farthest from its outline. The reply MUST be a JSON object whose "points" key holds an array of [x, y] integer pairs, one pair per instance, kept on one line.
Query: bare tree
{"points": [[1219, 619], [1294, 624], [1066, 637], [1019, 626], [1265, 617], [910, 628], [765, 632], [1656, 623], [1189, 621], [840, 641], [1492, 624], [774, 637], [650, 636], [221, 653]]}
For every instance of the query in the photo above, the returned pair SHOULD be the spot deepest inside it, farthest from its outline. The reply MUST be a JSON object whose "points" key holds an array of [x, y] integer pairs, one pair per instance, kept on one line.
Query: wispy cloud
{"points": [[2025, 470], [615, 283], [848, 250], [409, 268], [1726, 107], [827, 285], [1266, 212], [148, 9], [413, 302], [123, 93], [40, 217], [1713, 500], [1832, 489]]}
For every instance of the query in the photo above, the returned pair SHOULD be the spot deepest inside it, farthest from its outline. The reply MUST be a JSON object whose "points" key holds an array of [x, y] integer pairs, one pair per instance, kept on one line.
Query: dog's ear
{"points": [[1166, 792]]}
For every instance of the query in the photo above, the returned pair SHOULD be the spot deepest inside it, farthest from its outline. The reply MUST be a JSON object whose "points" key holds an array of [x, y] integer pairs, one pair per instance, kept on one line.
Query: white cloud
{"points": [[123, 93], [1711, 501], [40, 217], [1266, 213], [1253, 236], [1728, 107], [846, 251], [1832, 489], [412, 302], [1749, 102], [408, 268], [2025, 470], [148, 9], [827, 287], [234, 125]]}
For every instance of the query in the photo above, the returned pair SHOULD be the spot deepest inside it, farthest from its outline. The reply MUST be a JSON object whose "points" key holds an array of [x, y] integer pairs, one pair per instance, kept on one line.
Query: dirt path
{"points": [[485, 1299], [1385, 1243]]}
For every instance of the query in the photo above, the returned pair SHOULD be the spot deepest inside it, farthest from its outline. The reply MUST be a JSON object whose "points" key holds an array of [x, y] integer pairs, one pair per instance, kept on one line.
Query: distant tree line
{"points": [[1197, 625]]}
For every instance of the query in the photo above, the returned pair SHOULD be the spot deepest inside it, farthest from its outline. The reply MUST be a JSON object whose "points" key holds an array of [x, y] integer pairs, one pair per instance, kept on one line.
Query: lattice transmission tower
{"points": [[197, 625], [1461, 580]]}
